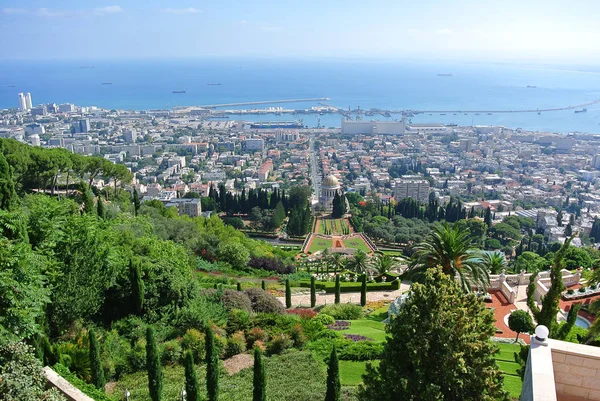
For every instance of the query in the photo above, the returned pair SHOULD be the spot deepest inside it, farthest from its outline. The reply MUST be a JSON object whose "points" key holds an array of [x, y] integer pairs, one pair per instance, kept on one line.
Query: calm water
{"points": [[393, 85]]}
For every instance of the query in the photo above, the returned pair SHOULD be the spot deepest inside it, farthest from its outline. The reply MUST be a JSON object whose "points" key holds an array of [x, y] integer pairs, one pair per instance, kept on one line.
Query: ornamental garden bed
{"points": [[583, 292]]}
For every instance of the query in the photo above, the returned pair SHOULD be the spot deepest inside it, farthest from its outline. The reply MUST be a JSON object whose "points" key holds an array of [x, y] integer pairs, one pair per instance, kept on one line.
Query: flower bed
{"points": [[339, 325], [582, 292], [356, 337]]}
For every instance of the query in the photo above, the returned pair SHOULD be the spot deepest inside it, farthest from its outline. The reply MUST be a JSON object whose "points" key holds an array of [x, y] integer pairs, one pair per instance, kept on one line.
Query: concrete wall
{"points": [[69, 391], [576, 369]]}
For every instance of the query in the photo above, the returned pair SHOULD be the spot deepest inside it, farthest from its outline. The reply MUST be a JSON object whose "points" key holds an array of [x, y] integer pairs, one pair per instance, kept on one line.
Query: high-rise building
{"points": [[35, 140], [416, 189], [28, 103], [39, 110], [596, 162], [66, 108], [254, 144], [130, 135], [52, 108], [22, 103], [81, 126]]}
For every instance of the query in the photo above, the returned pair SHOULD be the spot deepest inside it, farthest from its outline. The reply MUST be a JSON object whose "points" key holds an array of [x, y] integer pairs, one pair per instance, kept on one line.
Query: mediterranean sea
{"points": [[395, 85]]}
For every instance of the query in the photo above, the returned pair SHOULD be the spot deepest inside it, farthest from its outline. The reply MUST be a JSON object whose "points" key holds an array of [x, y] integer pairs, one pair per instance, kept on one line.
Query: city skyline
{"points": [[549, 31]]}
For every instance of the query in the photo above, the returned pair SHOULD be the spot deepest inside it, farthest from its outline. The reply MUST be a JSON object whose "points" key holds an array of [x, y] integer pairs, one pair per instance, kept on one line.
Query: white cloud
{"points": [[51, 12], [189, 10], [108, 10], [14, 11], [412, 30], [243, 22], [444, 31], [270, 28]]}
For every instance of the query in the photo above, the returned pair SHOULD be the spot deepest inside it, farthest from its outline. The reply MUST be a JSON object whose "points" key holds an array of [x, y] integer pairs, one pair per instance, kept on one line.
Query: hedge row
{"points": [[329, 286], [86, 388]]}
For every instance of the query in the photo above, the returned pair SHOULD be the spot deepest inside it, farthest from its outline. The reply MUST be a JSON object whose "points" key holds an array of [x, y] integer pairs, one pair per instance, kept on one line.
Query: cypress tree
{"points": [[333, 377], [136, 202], [137, 286], [288, 294], [313, 292], [8, 194], [263, 285], [260, 386], [98, 379], [153, 366], [212, 366], [363, 290], [239, 286], [87, 199], [337, 289], [191, 378], [100, 208]]}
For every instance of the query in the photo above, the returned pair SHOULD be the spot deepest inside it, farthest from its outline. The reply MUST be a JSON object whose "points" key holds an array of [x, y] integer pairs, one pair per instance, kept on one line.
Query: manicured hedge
{"points": [[86, 388], [329, 286]]}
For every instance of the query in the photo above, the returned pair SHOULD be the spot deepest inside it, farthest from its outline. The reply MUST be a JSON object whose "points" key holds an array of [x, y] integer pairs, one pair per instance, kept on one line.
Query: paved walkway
{"points": [[300, 300]]}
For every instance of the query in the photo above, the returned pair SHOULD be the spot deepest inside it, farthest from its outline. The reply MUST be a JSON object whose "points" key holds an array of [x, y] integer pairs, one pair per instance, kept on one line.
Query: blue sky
{"points": [[511, 30]]}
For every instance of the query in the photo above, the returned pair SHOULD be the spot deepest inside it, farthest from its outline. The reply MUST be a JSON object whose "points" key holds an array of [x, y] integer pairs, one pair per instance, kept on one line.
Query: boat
{"points": [[12, 86], [178, 91], [442, 114], [106, 83], [444, 75], [489, 114], [532, 86], [581, 110], [218, 84], [539, 113]]}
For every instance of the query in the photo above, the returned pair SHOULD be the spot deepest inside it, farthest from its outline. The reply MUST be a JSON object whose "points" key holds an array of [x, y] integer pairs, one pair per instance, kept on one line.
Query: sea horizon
{"points": [[368, 83]]}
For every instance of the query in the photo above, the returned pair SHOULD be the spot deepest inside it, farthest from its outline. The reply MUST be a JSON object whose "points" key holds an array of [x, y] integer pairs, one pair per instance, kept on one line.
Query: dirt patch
{"points": [[237, 363]]}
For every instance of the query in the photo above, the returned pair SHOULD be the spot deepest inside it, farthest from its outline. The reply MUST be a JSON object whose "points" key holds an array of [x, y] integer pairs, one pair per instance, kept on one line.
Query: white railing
{"points": [[508, 292]]}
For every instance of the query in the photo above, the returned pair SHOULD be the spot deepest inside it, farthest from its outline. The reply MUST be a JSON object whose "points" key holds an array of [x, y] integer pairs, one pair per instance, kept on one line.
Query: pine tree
{"points": [[263, 285], [137, 286], [87, 199], [100, 208], [212, 366], [488, 217], [259, 392], [443, 349], [559, 217], [337, 289], [239, 286], [313, 292], [136, 202], [8, 195], [288, 294], [333, 378], [98, 379], [191, 378], [155, 375], [363, 290], [568, 230]]}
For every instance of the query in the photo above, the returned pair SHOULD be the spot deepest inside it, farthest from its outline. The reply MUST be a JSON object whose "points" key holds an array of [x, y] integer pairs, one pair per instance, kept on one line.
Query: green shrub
{"points": [[239, 320], [137, 357], [343, 311], [348, 350], [193, 340], [236, 344], [297, 336], [324, 319], [570, 291], [582, 289], [170, 352], [274, 323], [262, 302], [86, 388], [115, 354], [278, 344], [236, 300]]}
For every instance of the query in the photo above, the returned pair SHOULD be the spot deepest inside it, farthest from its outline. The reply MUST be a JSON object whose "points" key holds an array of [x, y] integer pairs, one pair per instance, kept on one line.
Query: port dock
{"points": [[214, 106]]}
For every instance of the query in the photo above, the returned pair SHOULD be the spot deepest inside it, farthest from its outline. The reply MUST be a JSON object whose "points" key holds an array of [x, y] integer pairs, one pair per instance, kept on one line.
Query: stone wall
{"points": [[576, 370]]}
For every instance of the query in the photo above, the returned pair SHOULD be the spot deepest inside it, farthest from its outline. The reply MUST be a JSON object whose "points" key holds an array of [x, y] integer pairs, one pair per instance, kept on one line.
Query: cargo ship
{"points": [[444, 75], [214, 84], [531, 86], [178, 91], [106, 83], [276, 124], [581, 110]]}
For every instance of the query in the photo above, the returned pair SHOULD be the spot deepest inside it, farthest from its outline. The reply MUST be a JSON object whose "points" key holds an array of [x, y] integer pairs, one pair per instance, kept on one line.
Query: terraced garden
{"points": [[334, 227]]}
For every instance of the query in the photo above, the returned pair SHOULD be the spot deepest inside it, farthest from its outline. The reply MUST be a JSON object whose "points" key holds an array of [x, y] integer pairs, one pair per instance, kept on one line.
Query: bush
{"points": [[239, 320], [170, 352], [343, 311], [137, 357], [199, 312], [115, 351], [270, 264], [297, 336], [262, 302], [87, 389], [593, 287], [236, 300], [305, 313], [278, 344], [582, 289], [347, 350], [570, 291], [324, 319], [236, 344], [260, 345], [254, 335], [193, 340], [274, 324]]}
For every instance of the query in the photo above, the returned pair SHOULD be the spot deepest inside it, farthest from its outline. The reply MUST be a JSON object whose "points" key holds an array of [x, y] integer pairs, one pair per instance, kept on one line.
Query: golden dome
{"points": [[331, 181]]}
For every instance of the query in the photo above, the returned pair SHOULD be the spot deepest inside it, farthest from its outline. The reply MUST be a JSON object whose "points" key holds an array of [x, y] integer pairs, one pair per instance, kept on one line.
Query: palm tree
{"points": [[450, 247], [337, 261], [494, 261], [359, 263], [384, 263]]}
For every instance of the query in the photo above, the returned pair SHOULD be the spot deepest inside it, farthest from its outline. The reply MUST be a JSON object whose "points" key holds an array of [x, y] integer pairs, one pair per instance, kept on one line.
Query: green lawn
{"points": [[379, 315], [368, 328], [506, 362], [357, 243], [351, 372], [295, 375], [318, 244]]}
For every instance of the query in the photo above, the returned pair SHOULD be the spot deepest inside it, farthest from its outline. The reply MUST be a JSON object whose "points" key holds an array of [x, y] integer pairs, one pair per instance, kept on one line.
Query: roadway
{"points": [[314, 169]]}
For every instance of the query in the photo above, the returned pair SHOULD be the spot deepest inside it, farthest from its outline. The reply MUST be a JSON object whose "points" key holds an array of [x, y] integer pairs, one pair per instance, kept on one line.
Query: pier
{"points": [[213, 106]]}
